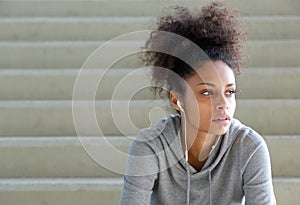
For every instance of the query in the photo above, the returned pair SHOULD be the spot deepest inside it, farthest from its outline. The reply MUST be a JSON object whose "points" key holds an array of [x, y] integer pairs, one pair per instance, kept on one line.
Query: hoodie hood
{"points": [[170, 129]]}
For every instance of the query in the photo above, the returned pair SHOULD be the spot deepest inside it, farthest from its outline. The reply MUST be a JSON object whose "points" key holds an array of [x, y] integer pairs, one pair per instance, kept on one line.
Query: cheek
{"points": [[206, 113], [232, 105], [205, 108], [202, 110], [193, 111]]}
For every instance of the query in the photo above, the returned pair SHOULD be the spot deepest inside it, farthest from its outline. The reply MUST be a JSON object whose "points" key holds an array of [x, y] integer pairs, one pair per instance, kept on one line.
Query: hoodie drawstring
{"points": [[188, 184], [209, 177]]}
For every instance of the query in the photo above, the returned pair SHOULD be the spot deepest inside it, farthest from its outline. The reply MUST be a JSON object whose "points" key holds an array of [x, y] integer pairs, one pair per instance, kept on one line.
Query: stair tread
{"points": [[133, 7], [58, 84], [56, 117], [121, 70], [90, 28], [90, 181], [72, 156], [126, 19], [74, 140], [121, 102], [122, 42]]}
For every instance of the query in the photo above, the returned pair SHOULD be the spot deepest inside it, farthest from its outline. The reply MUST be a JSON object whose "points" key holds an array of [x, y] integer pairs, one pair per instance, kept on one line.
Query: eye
{"points": [[207, 92], [230, 92]]}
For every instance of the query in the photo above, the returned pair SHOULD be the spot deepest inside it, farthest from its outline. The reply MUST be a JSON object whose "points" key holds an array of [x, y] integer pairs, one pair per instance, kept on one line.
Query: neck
{"points": [[199, 143], [201, 146]]}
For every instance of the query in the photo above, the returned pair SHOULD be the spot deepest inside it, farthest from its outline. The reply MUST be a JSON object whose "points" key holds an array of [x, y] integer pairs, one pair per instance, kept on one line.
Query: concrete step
{"points": [[286, 190], [88, 28], [273, 53], [91, 29], [65, 191], [40, 156], [135, 7], [284, 155], [58, 84], [100, 191], [266, 83], [283, 53], [126, 117], [273, 27], [65, 54], [59, 157], [270, 117]]}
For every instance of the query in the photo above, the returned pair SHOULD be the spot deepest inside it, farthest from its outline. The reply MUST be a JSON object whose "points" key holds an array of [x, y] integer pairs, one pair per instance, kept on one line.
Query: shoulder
{"points": [[152, 139], [249, 144], [245, 135], [148, 147]]}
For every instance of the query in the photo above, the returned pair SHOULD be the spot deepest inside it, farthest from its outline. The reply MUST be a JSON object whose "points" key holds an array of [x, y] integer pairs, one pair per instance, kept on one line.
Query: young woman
{"points": [[201, 155]]}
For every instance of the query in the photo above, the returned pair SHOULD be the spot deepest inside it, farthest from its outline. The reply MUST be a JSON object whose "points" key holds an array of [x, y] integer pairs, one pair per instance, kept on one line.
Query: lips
{"points": [[222, 118]]}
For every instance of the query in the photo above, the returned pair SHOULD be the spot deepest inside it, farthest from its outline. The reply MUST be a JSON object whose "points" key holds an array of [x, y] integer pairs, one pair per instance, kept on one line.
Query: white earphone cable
{"points": [[186, 157]]}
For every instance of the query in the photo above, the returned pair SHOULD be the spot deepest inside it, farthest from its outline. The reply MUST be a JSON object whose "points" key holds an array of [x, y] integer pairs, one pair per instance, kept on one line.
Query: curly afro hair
{"points": [[217, 30]]}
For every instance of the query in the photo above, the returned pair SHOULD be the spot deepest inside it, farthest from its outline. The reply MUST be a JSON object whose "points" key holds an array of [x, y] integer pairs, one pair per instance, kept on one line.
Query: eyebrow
{"points": [[213, 85]]}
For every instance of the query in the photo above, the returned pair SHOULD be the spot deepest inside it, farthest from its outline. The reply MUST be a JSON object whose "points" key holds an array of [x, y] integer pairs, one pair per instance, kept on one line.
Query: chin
{"points": [[219, 130], [222, 133]]}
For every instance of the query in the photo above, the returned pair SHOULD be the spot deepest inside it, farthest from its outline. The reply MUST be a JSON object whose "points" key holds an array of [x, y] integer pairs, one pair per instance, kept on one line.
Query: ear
{"points": [[174, 97]]}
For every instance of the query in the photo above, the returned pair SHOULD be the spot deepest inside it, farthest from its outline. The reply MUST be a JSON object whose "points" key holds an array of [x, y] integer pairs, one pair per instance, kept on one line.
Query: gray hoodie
{"points": [[237, 171]]}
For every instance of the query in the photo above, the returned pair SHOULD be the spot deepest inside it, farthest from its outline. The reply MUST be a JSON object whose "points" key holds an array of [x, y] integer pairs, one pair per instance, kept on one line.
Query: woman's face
{"points": [[209, 101]]}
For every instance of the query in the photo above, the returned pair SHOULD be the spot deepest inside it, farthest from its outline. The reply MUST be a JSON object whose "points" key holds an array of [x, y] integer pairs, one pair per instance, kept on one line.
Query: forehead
{"points": [[216, 72]]}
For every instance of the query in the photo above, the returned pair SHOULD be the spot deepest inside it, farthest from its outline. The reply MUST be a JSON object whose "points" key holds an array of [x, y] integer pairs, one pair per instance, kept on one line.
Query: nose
{"points": [[222, 103]]}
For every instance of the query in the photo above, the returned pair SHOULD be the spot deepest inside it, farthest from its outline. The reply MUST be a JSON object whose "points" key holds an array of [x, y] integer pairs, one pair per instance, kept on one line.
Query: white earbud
{"points": [[179, 105], [185, 140]]}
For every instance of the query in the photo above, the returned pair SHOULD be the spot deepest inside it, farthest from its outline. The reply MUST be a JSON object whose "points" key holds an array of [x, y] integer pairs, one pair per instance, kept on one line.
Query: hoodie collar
{"points": [[170, 128]]}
